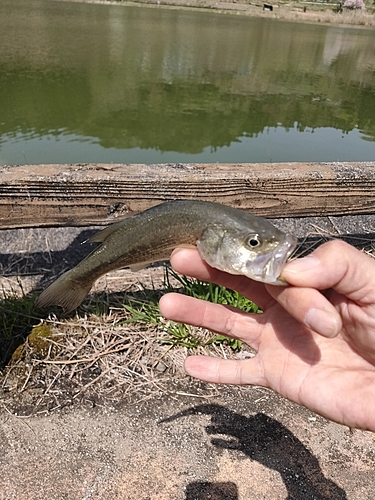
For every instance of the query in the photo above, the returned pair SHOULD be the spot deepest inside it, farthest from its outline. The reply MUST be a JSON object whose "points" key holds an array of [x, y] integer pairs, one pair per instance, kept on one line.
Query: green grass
{"points": [[146, 309], [17, 318], [18, 315]]}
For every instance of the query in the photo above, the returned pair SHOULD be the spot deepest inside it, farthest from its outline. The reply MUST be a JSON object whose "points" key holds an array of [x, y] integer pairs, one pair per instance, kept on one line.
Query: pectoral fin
{"points": [[104, 233], [164, 256], [138, 267]]}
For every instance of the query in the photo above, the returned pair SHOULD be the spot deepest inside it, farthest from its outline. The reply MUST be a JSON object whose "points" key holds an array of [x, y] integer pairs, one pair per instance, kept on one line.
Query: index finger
{"points": [[188, 261]]}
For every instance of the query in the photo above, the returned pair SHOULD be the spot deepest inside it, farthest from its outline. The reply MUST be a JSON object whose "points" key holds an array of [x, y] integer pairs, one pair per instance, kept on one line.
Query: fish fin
{"points": [[138, 267], [64, 292], [104, 233], [101, 235], [165, 256]]}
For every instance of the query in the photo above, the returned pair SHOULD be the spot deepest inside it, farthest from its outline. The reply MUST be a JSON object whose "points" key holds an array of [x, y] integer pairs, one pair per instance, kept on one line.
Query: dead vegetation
{"points": [[88, 358], [117, 346], [118, 349], [308, 12]]}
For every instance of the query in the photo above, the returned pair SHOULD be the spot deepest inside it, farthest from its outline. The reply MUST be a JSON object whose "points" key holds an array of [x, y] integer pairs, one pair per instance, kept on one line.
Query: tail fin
{"points": [[64, 292]]}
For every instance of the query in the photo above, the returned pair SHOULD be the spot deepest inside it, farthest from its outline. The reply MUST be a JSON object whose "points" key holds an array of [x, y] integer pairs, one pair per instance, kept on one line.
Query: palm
{"points": [[334, 377], [325, 375]]}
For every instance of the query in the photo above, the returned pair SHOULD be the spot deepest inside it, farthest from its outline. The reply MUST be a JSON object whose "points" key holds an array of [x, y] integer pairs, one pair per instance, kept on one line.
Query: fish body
{"points": [[227, 238]]}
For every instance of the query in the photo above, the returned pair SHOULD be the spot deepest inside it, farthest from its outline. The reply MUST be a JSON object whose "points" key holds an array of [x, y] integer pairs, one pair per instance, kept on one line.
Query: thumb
{"points": [[336, 265]]}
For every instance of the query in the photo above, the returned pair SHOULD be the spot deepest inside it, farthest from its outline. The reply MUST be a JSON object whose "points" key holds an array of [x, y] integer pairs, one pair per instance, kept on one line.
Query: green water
{"points": [[100, 83]]}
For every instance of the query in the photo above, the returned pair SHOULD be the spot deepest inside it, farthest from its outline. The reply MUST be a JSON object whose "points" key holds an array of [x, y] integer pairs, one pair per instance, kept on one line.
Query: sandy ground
{"points": [[192, 441], [240, 444]]}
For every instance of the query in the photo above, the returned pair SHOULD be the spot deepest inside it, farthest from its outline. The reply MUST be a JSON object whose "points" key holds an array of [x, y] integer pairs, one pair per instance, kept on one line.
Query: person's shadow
{"points": [[268, 442], [199, 490]]}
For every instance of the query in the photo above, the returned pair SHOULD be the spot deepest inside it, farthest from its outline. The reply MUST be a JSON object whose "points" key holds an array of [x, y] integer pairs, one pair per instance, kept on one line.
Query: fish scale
{"points": [[227, 238]]}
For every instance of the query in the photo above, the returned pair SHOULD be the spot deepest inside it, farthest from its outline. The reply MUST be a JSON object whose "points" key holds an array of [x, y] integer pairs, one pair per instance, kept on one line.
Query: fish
{"points": [[227, 238]]}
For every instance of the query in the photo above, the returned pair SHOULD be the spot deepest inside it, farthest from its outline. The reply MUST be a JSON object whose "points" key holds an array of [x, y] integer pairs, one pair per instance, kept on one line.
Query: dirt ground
{"points": [[238, 444], [306, 12], [190, 442]]}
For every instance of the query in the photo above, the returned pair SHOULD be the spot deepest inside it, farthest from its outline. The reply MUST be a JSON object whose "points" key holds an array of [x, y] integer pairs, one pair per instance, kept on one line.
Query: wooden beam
{"points": [[90, 194]]}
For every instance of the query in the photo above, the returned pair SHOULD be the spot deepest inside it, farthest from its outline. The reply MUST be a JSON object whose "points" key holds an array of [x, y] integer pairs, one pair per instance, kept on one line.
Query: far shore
{"points": [[307, 12]]}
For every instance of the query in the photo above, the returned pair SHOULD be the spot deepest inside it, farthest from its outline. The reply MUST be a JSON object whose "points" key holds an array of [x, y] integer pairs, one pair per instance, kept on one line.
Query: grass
{"points": [[317, 12], [17, 318], [17, 313], [147, 310], [114, 345]]}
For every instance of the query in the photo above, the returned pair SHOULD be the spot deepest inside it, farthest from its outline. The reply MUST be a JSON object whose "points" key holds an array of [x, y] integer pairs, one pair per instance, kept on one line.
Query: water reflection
{"points": [[273, 145], [110, 83]]}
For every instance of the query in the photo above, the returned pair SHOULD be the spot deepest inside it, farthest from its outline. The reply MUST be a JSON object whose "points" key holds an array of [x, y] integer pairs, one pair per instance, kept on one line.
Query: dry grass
{"points": [[100, 358], [327, 16], [288, 11], [93, 358]]}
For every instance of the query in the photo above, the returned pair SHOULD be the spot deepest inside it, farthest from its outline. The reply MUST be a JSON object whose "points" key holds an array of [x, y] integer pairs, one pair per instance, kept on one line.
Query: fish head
{"points": [[259, 252]]}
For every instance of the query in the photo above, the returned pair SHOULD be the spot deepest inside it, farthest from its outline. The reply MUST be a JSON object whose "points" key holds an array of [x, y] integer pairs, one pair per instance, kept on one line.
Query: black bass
{"points": [[227, 239]]}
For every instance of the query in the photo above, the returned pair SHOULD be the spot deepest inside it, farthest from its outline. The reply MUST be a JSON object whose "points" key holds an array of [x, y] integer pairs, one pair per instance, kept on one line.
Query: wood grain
{"points": [[87, 194]]}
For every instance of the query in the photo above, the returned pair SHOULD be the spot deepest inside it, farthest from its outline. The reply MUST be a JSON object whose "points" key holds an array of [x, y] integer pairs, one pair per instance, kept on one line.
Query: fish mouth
{"points": [[267, 267]]}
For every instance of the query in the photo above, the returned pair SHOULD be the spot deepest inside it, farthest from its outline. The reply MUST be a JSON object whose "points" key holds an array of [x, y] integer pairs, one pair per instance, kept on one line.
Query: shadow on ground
{"points": [[211, 491], [270, 443], [48, 264], [18, 314]]}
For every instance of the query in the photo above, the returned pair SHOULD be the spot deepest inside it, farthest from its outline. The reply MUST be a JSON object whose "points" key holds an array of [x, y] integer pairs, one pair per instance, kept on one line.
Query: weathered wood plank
{"points": [[81, 195]]}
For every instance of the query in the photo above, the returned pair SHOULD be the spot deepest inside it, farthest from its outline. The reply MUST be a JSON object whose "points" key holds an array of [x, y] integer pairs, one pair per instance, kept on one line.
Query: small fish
{"points": [[227, 239]]}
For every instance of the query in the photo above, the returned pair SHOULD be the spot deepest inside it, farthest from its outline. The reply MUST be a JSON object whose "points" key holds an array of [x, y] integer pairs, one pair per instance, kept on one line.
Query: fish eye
{"points": [[253, 241]]}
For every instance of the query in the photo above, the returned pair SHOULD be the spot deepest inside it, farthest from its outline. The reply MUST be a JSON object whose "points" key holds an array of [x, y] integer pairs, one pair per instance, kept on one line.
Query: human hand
{"points": [[315, 340]]}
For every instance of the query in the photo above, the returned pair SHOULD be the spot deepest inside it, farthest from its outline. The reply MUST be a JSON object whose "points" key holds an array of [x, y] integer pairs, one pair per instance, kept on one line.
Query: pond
{"points": [[106, 83]]}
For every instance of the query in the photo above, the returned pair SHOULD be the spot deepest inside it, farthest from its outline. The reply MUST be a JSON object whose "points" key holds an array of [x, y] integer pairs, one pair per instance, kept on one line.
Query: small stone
{"points": [[160, 367]]}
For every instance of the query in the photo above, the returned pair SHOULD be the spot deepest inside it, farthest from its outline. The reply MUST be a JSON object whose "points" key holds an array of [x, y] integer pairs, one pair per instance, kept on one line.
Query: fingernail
{"points": [[301, 265], [322, 322]]}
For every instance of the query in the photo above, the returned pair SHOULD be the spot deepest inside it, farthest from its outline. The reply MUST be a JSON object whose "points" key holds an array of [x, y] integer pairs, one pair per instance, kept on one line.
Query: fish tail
{"points": [[65, 292]]}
